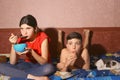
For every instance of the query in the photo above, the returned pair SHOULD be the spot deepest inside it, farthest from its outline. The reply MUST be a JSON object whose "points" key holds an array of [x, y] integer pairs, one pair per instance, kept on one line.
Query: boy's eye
{"points": [[77, 43], [70, 43]]}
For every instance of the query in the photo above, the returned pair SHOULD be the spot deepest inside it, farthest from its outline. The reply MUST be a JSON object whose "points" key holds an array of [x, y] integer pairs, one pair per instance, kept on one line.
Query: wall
{"points": [[61, 13], [107, 41]]}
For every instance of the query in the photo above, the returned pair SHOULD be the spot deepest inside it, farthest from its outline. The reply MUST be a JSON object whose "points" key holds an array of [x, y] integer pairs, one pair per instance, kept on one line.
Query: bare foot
{"points": [[37, 77], [42, 78], [86, 32]]}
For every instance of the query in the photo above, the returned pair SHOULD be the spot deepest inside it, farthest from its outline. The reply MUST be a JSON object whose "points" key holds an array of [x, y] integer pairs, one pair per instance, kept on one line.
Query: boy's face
{"points": [[74, 45]]}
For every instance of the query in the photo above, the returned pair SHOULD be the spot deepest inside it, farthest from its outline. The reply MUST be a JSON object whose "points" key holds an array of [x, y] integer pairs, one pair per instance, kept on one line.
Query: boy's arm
{"points": [[62, 64]]}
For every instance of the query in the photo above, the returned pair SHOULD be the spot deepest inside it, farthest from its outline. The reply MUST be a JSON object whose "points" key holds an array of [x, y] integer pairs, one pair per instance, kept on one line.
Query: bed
{"points": [[108, 73], [104, 41]]}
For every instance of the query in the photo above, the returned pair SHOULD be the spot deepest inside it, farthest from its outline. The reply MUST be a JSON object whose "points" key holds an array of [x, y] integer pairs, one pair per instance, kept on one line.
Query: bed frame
{"points": [[103, 39]]}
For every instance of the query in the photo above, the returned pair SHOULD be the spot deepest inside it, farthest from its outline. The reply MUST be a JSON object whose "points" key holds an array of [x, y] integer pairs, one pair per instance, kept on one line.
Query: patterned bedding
{"points": [[94, 73], [90, 75]]}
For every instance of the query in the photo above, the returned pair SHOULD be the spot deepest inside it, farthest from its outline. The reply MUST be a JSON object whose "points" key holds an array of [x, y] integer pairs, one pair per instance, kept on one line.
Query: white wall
{"points": [[61, 13]]}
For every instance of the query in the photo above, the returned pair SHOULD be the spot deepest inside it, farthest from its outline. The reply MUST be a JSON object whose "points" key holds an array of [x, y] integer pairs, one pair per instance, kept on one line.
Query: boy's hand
{"points": [[71, 59]]}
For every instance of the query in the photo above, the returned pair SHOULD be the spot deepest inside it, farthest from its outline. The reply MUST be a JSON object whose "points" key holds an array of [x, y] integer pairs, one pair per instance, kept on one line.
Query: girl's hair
{"points": [[74, 35], [29, 20]]}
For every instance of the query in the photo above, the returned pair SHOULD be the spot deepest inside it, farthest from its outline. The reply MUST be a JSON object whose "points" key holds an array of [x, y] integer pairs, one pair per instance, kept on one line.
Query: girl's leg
{"points": [[42, 70], [9, 70]]}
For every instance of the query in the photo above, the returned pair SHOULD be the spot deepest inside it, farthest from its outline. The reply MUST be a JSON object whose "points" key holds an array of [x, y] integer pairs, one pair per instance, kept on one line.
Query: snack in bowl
{"points": [[64, 75], [20, 47]]}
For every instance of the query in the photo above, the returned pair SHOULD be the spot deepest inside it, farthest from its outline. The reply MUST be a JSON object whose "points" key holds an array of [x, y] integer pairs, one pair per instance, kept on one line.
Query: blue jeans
{"points": [[22, 69]]}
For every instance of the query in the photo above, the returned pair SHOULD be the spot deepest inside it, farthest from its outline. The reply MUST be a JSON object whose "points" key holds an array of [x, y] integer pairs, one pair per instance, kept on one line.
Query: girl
{"points": [[35, 64]]}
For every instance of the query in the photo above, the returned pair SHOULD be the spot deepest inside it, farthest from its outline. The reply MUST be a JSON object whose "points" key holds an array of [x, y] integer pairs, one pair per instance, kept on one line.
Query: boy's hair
{"points": [[74, 35]]}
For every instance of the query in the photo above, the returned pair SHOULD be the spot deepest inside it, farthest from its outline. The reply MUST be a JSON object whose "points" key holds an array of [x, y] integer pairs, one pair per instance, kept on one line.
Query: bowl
{"points": [[20, 47]]}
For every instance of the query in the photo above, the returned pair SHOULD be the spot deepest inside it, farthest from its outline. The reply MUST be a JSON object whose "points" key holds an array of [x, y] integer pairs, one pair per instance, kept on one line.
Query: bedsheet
{"points": [[94, 78], [89, 75], [98, 78]]}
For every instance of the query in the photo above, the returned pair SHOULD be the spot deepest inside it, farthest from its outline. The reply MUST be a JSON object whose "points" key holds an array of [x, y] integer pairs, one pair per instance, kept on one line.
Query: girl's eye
{"points": [[28, 28], [78, 43], [21, 28]]}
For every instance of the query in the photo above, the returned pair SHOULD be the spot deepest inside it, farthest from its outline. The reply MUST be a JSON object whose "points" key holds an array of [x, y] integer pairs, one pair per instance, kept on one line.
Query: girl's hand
{"points": [[27, 50], [13, 38]]}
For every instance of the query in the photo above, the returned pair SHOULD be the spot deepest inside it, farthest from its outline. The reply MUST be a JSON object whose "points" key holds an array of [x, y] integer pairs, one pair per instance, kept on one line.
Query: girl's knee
{"points": [[50, 68]]}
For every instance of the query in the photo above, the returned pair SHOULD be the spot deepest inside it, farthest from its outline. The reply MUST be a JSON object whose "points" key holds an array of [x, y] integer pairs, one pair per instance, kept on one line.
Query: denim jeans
{"points": [[22, 69]]}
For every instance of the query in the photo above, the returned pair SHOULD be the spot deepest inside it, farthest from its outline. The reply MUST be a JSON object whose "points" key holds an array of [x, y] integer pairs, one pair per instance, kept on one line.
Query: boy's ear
{"points": [[66, 45]]}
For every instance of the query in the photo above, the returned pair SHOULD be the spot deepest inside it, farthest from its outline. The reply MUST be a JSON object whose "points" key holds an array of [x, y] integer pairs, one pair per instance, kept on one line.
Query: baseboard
{"points": [[5, 54]]}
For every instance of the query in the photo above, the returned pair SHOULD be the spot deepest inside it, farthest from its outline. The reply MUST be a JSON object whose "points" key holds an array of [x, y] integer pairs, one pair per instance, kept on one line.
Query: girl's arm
{"points": [[13, 56], [44, 53]]}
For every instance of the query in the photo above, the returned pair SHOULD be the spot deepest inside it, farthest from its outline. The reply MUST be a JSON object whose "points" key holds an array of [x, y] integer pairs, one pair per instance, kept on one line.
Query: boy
{"points": [[74, 56]]}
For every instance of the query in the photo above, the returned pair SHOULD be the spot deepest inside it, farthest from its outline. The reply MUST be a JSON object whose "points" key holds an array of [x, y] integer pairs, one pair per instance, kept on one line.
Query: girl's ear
{"points": [[37, 30]]}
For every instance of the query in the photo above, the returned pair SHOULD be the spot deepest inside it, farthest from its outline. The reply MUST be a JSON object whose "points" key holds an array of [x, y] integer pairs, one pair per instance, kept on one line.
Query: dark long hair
{"points": [[29, 20]]}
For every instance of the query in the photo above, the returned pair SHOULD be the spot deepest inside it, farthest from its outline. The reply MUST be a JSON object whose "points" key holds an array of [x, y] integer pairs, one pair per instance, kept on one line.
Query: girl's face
{"points": [[28, 31], [74, 45]]}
